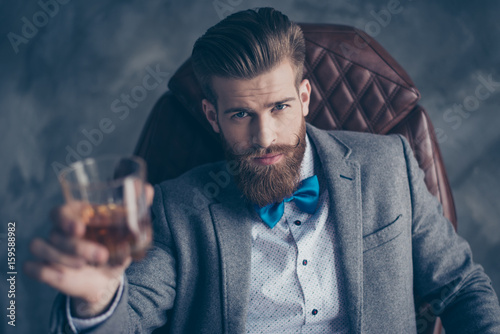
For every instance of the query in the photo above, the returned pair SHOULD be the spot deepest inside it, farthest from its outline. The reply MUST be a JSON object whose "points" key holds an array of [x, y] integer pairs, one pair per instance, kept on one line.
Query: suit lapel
{"points": [[343, 181], [232, 222]]}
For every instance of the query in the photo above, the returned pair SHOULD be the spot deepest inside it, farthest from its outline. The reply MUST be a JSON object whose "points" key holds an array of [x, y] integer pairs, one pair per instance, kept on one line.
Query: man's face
{"points": [[262, 126]]}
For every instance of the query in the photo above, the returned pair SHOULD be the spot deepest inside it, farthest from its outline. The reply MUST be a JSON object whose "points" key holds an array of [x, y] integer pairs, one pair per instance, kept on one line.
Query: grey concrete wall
{"points": [[63, 77]]}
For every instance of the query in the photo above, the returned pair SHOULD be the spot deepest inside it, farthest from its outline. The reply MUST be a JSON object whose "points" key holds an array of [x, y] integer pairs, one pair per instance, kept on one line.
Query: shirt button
{"points": [[298, 222], [314, 312], [304, 262]]}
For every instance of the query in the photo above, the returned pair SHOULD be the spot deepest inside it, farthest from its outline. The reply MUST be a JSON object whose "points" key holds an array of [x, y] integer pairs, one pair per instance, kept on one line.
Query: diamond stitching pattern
{"points": [[355, 97]]}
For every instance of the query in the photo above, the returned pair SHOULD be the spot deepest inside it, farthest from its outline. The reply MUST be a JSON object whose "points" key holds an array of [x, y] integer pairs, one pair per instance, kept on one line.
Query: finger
{"points": [[90, 251], [88, 282], [71, 218], [47, 253], [43, 272], [150, 192]]}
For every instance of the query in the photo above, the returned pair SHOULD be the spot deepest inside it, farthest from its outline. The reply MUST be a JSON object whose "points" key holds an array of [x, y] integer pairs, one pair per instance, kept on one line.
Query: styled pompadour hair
{"points": [[247, 44]]}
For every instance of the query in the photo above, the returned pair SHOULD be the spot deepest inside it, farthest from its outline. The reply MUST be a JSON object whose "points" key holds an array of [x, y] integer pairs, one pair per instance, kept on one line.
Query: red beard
{"points": [[263, 185]]}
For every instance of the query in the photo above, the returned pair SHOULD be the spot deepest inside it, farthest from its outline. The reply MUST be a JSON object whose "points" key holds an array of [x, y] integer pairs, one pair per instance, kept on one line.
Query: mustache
{"points": [[255, 152]]}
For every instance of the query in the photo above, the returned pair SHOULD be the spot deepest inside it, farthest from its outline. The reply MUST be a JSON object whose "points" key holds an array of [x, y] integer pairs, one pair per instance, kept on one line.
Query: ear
{"points": [[305, 96], [211, 114]]}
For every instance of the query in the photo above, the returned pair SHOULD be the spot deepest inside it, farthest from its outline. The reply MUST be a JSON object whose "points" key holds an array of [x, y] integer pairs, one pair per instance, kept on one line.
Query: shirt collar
{"points": [[307, 166]]}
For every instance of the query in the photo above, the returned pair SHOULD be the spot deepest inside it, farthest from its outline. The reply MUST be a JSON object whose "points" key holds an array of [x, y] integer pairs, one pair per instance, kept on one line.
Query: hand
{"points": [[75, 266]]}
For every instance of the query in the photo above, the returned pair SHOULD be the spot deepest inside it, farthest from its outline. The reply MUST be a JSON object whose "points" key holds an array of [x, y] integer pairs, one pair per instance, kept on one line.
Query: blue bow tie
{"points": [[306, 198]]}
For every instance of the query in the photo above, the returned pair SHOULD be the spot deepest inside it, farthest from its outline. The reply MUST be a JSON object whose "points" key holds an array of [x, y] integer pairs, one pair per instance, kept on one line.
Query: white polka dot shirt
{"points": [[296, 284]]}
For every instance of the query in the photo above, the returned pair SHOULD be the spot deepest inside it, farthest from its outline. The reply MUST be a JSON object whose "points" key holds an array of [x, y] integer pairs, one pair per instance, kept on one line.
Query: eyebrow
{"points": [[240, 109]]}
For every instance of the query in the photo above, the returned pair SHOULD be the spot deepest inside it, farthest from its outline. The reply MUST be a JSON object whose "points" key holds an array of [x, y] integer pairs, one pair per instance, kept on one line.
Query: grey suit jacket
{"points": [[394, 245]]}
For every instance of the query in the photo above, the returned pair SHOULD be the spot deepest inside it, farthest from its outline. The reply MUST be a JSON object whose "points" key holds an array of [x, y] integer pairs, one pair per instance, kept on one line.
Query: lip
{"points": [[268, 159]]}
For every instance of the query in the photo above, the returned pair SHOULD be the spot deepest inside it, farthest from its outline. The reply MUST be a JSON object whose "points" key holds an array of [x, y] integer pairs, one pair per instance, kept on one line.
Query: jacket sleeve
{"points": [[457, 289], [149, 287]]}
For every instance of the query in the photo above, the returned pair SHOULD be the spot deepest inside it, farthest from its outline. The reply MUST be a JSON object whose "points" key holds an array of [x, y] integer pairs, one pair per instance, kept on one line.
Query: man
{"points": [[314, 232]]}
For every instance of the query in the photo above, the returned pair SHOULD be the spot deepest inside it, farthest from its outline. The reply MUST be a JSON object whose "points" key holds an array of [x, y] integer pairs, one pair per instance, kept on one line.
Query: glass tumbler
{"points": [[110, 194]]}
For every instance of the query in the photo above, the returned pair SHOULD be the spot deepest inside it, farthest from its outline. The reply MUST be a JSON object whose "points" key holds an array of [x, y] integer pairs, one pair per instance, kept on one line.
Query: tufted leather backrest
{"points": [[356, 85]]}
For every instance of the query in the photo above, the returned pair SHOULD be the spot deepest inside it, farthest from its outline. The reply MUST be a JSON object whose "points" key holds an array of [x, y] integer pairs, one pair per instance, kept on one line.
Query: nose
{"points": [[264, 132]]}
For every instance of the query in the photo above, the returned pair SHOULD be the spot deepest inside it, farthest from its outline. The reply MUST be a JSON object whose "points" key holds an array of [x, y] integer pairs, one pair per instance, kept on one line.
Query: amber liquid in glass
{"points": [[108, 225]]}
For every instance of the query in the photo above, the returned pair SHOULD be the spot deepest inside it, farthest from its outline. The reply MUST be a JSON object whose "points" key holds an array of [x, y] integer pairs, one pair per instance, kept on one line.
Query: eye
{"points": [[280, 106], [241, 114]]}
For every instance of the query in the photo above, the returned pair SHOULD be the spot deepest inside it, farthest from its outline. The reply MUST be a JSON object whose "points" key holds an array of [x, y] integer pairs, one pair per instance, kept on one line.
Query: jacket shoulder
{"points": [[372, 147]]}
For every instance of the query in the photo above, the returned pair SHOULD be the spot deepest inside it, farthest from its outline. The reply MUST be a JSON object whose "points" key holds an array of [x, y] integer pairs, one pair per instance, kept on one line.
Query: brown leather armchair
{"points": [[356, 85]]}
